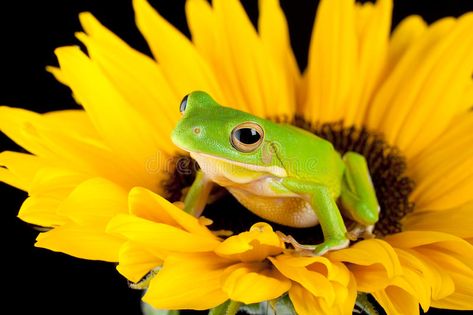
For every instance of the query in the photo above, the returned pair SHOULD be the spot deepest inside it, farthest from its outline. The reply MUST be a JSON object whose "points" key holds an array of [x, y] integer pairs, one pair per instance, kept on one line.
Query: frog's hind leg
{"points": [[358, 196]]}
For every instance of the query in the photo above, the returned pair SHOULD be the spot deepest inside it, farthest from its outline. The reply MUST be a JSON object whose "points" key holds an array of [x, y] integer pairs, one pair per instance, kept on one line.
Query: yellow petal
{"points": [[373, 24], [137, 77], [201, 21], [395, 300], [136, 261], [78, 123], [188, 282], [406, 33], [255, 245], [148, 205], [373, 262], [47, 191], [411, 53], [431, 280], [414, 280], [41, 211], [457, 221], [332, 66], [274, 34], [182, 65], [94, 201], [240, 279], [76, 147], [304, 302], [413, 118], [442, 241], [116, 120], [461, 274], [88, 242], [17, 124], [444, 171], [314, 282], [159, 236], [450, 255], [19, 169]]}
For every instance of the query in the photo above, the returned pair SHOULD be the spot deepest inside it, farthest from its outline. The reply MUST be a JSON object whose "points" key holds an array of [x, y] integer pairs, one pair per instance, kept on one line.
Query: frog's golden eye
{"points": [[182, 107], [247, 137]]}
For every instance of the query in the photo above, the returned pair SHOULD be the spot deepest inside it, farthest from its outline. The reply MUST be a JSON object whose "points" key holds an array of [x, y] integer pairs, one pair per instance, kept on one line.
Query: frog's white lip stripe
{"points": [[274, 170]]}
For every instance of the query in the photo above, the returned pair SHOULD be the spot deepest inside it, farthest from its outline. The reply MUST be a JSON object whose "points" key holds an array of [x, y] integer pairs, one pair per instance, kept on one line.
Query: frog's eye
{"points": [[247, 137], [182, 107]]}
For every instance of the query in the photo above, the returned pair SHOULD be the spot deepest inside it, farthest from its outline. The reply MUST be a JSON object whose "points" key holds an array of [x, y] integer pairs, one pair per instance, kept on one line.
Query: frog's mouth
{"points": [[202, 158]]}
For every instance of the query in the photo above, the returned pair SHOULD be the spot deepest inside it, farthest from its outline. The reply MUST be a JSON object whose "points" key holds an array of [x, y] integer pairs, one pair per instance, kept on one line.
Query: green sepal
{"points": [[280, 306], [147, 309], [227, 308], [365, 305]]}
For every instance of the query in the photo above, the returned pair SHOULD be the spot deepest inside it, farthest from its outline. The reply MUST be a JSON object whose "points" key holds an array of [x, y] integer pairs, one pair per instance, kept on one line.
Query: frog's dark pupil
{"points": [[183, 105], [247, 135]]}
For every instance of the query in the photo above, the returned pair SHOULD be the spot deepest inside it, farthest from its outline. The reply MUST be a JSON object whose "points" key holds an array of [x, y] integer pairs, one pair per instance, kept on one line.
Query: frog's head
{"points": [[214, 131]]}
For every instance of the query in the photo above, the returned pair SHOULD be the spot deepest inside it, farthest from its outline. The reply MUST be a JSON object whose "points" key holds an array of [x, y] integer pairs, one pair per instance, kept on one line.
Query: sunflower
{"points": [[403, 100]]}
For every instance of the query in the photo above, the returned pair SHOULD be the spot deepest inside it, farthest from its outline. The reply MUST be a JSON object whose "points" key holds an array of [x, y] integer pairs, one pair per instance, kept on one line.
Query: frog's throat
{"points": [[274, 170]]}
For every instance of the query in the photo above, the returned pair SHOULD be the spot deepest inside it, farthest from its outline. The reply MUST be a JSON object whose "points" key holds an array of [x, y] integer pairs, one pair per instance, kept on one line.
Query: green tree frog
{"points": [[281, 173]]}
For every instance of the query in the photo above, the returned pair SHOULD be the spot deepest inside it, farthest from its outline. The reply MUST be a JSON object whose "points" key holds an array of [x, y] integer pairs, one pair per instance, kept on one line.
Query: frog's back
{"points": [[308, 157]]}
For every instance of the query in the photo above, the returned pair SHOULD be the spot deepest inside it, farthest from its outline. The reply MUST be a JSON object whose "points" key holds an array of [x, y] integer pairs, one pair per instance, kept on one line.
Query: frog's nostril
{"points": [[196, 130]]}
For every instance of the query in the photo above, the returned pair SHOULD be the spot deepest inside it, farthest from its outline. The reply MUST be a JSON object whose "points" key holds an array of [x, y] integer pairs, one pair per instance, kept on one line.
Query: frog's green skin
{"points": [[292, 177]]}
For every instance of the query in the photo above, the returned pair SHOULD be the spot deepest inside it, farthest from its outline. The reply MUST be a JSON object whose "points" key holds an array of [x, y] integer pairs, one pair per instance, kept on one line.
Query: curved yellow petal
{"points": [[396, 301], [306, 303], [82, 241], [373, 263], [461, 273], [148, 205], [454, 245], [255, 245], [159, 236], [136, 261], [239, 282], [184, 68], [136, 76], [427, 278], [188, 282], [314, 282], [450, 255]]}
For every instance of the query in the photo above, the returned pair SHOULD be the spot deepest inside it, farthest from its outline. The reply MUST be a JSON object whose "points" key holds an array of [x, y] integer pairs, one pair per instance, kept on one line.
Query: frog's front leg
{"points": [[198, 194], [325, 207], [358, 195]]}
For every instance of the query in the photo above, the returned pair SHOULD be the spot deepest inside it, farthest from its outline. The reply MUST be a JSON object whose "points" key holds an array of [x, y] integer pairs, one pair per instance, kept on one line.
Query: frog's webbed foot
{"points": [[314, 250], [357, 231]]}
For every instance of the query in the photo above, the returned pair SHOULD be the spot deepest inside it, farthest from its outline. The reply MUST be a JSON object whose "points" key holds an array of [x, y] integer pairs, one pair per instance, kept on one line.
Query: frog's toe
{"points": [[330, 245]]}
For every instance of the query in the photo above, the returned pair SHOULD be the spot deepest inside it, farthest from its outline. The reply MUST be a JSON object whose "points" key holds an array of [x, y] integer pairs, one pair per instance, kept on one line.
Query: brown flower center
{"points": [[385, 162]]}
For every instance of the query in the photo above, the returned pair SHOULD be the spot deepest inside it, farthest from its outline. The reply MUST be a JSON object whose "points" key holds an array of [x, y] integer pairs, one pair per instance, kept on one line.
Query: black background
{"points": [[37, 281]]}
